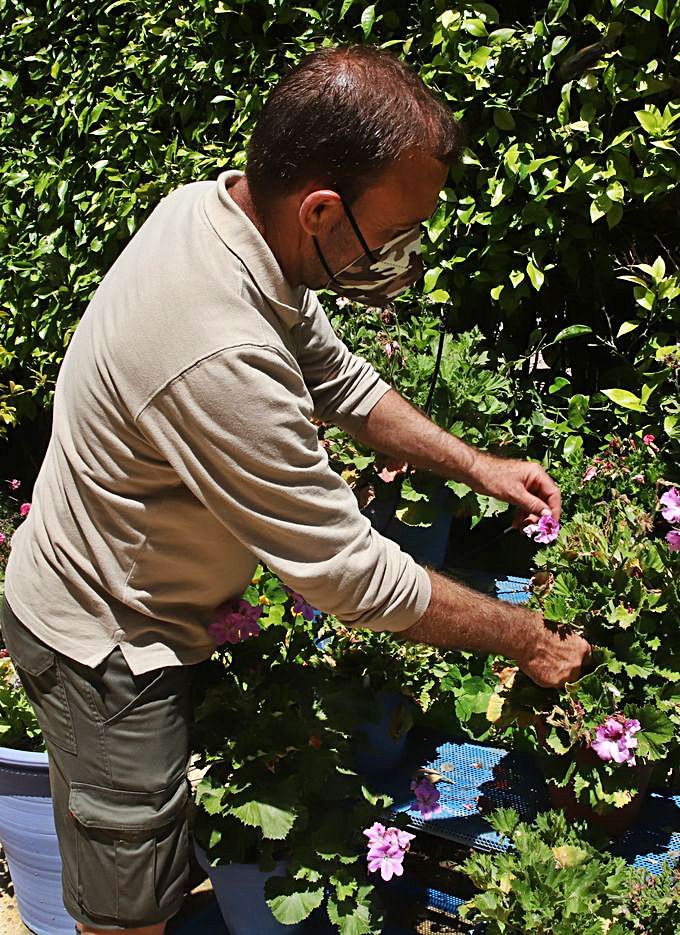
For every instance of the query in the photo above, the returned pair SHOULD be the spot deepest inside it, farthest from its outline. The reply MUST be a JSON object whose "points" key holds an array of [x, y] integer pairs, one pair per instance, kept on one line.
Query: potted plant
{"points": [[555, 879], [27, 831], [279, 804], [392, 683], [611, 572]]}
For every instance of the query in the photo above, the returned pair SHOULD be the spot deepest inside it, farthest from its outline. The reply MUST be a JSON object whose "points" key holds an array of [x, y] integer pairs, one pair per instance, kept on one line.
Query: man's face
{"points": [[403, 196]]}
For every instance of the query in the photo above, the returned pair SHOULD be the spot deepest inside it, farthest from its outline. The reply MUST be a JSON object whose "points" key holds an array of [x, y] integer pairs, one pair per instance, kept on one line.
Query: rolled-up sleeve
{"points": [[344, 386], [236, 429]]}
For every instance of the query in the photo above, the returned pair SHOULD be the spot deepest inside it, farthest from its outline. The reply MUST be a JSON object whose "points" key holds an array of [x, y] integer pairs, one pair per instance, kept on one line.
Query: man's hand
{"points": [[522, 483], [458, 618], [553, 659]]}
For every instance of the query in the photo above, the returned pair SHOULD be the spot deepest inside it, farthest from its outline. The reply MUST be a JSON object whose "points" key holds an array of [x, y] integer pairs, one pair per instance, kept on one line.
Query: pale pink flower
{"points": [[390, 348], [14, 484], [544, 531], [671, 505], [24, 508], [386, 849], [615, 740], [590, 473], [388, 859], [342, 301], [639, 478], [673, 540]]}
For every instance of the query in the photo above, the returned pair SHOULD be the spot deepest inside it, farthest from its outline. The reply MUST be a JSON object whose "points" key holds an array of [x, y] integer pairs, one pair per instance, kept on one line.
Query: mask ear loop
{"points": [[357, 231], [322, 258], [359, 235]]}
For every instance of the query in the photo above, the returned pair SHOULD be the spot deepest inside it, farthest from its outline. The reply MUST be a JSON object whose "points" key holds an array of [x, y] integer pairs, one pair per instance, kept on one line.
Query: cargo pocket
{"points": [[131, 852], [40, 672]]}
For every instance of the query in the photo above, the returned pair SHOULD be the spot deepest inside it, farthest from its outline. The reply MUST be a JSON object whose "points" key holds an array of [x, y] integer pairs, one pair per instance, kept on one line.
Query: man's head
{"points": [[350, 150]]}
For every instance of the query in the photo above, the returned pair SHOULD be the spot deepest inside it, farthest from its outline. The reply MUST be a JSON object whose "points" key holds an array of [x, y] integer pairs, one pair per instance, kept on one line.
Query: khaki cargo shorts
{"points": [[118, 750]]}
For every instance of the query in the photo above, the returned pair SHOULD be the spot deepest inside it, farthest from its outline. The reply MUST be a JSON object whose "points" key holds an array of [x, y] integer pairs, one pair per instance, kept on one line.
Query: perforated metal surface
{"points": [[480, 779]]}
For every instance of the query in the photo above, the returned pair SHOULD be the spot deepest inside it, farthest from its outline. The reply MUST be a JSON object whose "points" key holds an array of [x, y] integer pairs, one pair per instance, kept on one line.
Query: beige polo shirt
{"points": [[183, 452]]}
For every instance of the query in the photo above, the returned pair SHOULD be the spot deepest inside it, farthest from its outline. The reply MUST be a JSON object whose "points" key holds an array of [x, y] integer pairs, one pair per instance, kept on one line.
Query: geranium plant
{"points": [[555, 880], [611, 574], [273, 734], [19, 728]]}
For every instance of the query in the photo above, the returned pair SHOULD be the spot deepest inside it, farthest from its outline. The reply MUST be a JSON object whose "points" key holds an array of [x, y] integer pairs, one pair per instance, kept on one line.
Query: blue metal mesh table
{"points": [[480, 779]]}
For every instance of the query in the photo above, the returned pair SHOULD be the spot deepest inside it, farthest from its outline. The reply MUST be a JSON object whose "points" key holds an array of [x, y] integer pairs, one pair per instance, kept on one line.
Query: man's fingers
{"points": [[545, 489], [531, 504]]}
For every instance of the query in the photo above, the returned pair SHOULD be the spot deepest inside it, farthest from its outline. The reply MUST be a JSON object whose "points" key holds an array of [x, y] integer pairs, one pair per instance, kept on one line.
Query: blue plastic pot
{"points": [[379, 745], [239, 889], [426, 544], [30, 841]]}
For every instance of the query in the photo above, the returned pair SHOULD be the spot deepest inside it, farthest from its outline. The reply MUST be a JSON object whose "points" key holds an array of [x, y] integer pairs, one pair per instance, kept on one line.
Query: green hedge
{"points": [[571, 174]]}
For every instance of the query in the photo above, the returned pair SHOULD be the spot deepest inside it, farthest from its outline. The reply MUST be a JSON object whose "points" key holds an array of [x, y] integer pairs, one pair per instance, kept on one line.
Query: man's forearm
{"points": [[460, 618], [396, 428]]}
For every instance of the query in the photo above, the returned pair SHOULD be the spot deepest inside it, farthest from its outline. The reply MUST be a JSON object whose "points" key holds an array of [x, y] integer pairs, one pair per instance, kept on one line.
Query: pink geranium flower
{"points": [[670, 502], [386, 849], [427, 797], [2, 538], [648, 439], [235, 621], [24, 508], [615, 740], [590, 473], [545, 530], [673, 540]]}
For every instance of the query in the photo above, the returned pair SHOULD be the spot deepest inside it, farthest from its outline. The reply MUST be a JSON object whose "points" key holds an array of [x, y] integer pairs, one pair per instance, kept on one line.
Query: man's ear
{"points": [[319, 211]]}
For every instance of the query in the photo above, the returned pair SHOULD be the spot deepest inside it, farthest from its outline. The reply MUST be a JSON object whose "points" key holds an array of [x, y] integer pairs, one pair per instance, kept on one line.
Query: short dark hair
{"points": [[339, 117]]}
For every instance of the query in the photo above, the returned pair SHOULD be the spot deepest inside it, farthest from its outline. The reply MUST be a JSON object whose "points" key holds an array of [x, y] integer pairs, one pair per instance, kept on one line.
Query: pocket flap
{"points": [[124, 811]]}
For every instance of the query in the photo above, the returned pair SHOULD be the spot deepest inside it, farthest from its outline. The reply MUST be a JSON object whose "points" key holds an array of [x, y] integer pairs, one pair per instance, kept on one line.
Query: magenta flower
{"points": [[14, 484], [427, 797], [24, 508], [648, 439], [386, 849], [545, 530], [300, 605], [673, 540], [235, 621], [615, 740], [590, 473], [671, 505], [2, 538]]}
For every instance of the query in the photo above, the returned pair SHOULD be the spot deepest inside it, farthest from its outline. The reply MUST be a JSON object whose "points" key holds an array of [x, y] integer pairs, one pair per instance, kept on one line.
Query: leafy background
{"points": [[570, 178]]}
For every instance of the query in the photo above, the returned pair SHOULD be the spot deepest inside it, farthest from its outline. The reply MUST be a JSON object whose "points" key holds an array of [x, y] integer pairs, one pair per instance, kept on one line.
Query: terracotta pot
{"points": [[614, 822]]}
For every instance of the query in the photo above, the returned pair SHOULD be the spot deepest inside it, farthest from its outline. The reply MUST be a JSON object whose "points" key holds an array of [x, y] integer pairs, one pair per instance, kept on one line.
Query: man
{"points": [[183, 452]]}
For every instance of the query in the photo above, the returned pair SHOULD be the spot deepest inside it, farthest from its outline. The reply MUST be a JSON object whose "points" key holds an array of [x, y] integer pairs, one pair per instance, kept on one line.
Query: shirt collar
{"points": [[239, 234]]}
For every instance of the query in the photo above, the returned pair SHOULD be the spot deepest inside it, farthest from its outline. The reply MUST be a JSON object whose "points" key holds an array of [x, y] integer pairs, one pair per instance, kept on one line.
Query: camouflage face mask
{"points": [[377, 276]]}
